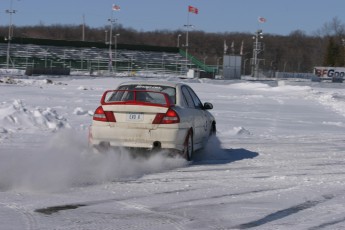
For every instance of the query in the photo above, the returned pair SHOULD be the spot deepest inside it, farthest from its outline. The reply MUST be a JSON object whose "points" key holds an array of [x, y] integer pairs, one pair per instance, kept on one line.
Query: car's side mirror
{"points": [[208, 105]]}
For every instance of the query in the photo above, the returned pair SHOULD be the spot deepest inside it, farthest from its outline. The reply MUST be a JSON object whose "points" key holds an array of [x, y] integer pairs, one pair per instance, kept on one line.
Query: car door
{"points": [[204, 118], [196, 111]]}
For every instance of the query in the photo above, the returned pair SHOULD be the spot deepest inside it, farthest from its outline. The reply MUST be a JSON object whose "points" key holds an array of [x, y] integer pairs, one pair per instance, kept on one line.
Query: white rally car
{"points": [[152, 115]]}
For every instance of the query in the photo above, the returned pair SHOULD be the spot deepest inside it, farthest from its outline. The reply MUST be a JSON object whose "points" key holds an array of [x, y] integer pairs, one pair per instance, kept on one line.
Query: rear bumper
{"points": [[165, 138]]}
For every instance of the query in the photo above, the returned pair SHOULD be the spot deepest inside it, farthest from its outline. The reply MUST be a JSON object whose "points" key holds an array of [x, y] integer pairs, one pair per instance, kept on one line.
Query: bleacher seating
{"points": [[90, 59]]}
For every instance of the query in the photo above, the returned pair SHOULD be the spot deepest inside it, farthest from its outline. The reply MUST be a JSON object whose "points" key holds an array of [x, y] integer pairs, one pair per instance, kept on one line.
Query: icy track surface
{"points": [[277, 162]]}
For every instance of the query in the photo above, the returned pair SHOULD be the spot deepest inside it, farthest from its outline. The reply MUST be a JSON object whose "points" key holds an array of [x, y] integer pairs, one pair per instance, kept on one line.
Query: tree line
{"points": [[296, 52]]}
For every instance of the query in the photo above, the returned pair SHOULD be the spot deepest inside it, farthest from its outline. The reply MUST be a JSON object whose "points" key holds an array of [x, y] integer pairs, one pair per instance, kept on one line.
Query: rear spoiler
{"points": [[136, 97]]}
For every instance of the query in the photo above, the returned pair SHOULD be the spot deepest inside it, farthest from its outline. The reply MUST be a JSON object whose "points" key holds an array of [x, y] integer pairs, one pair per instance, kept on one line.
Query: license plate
{"points": [[135, 116]]}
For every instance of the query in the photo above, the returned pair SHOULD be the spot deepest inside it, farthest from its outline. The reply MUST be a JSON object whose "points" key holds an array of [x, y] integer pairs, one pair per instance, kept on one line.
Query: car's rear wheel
{"points": [[213, 130], [101, 148], [188, 147]]}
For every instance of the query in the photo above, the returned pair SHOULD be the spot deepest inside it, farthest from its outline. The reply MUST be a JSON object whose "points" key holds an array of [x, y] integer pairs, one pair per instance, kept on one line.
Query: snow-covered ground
{"points": [[277, 162]]}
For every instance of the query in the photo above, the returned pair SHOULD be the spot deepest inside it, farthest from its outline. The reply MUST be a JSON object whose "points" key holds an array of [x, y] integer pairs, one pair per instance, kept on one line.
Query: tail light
{"points": [[170, 117], [105, 116]]}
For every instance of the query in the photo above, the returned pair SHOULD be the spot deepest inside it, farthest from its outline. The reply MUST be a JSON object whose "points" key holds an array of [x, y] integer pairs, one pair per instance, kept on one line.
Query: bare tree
{"points": [[333, 28]]}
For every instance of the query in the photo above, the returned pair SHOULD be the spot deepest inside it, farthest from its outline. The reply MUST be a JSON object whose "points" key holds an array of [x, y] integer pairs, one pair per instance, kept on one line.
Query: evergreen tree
{"points": [[334, 54]]}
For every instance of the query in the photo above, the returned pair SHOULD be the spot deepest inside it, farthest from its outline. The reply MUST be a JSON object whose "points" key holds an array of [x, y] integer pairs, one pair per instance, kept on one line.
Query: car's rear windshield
{"points": [[170, 91]]}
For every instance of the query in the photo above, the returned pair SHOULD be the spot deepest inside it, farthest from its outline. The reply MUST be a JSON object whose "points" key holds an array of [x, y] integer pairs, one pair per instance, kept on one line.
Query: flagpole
{"points": [[195, 11], [83, 29], [257, 49], [225, 47], [187, 40], [10, 33], [112, 21]]}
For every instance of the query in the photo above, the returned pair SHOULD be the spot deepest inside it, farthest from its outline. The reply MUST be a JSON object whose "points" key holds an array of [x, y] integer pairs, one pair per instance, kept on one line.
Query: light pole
{"points": [[343, 43], [27, 57], [205, 61], [64, 58], [244, 61], [112, 21], [244, 66], [256, 50], [284, 68], [83, 29], [132, 58], [106, 37], [178, 40], [45, 58], [218, 64], [163, 68], [187, 44], [81, 59], [10, 33], [115, 51]]}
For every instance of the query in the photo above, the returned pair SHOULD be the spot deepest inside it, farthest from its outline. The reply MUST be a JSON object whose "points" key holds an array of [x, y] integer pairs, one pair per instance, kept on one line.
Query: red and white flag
{"points": [[193, 9], [261, 19], [116, 7]]}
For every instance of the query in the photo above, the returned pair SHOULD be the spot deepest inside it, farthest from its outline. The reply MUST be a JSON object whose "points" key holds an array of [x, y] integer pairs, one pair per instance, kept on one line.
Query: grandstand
{"points": [[95, 57]]}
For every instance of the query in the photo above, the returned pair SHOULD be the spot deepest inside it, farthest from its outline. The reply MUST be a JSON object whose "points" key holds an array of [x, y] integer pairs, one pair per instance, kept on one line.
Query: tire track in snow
{"points": [[328, 224], [252, 193], [176, 221], [284, 213], [27, 217]]}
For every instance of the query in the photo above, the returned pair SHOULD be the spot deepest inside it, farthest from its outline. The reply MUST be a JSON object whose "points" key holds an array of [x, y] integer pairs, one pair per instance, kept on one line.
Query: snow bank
{"points": [[17, 72], [35, 82], [272, 86], [333, 100], [18, 116]]}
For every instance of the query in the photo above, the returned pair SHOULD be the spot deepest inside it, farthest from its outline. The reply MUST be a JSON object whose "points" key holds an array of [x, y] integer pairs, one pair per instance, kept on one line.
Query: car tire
{"points": [[188, 150], [213, 130], [101, 148]]}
